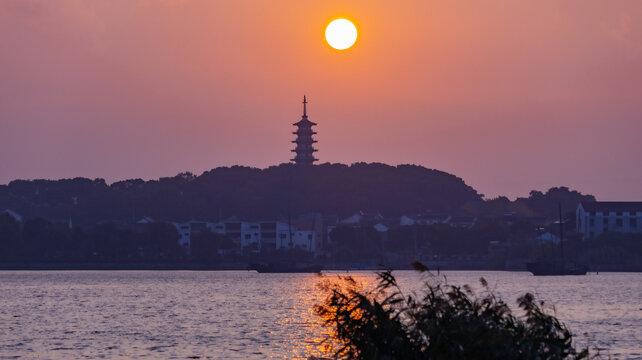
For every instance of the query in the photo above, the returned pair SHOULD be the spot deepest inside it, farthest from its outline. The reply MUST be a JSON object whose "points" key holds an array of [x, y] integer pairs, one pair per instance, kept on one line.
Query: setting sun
{"points": [[341, 34]]}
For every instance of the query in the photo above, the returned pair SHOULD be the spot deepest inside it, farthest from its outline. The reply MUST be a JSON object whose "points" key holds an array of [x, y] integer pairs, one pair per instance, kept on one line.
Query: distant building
{"points": [[594, 218], [362, 218], [218, 228], [184, 235], [379, 227], [145, 220], [548, 237], [251, 235], [304, 149], [304, 239], [274, 235], [304, 233], [198, 226], [432, 219], [424, 219], [187, 229], [309, 232], [285, 235], [233, 229]]}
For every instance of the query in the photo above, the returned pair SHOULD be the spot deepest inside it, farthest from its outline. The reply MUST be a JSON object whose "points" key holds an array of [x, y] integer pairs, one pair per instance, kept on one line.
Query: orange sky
{"points": [[509, 95]]}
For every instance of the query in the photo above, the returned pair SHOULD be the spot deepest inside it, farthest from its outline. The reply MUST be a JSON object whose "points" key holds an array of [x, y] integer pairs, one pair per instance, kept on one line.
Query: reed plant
{"points": [[444, 322]]}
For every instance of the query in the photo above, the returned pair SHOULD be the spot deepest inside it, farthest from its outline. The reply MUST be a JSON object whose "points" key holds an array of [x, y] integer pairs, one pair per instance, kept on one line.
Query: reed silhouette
{"points": [[445, 322]]}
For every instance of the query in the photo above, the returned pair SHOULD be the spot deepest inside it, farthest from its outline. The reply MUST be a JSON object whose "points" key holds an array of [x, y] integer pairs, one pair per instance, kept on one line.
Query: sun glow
{"points": [[341, 34]]}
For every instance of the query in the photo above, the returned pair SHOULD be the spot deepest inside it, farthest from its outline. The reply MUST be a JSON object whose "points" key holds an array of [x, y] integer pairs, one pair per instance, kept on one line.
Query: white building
{"points": [[218, 227], [268, 234], [361, 218], [304, 240], [184, 235], [291, 237], [250, 234], [186, 229], [285, 236], [381, 228], [276, 235], [594, 218]]}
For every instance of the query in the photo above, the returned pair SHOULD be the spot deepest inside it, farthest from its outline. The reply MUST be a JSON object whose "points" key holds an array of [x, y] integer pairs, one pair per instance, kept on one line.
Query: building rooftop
{"points": [[616, 206]]}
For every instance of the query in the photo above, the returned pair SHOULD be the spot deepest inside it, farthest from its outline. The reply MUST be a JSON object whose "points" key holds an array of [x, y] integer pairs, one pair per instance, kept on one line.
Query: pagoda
{"points": [[304, 149]]}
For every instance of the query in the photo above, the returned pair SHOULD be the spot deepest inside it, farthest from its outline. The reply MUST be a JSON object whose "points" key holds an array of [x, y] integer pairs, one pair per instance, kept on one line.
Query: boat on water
{"points": [[286, 268], [557, 267]]}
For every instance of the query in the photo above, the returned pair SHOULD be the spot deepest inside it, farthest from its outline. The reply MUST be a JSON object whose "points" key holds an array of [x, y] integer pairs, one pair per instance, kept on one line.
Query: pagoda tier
{"points": [[304, 149], [304, 131]]}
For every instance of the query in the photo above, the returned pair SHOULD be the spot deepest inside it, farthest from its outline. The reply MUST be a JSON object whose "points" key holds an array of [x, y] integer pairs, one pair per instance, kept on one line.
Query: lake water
{"points": [[246, 315]]}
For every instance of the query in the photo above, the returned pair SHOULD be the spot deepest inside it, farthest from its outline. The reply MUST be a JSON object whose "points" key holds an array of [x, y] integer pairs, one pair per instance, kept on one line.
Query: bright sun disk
{"points": [[341, 34]]}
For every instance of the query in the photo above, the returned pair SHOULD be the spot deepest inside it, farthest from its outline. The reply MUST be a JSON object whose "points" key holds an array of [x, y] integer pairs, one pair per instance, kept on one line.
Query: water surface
{"points": [[246, 315]]}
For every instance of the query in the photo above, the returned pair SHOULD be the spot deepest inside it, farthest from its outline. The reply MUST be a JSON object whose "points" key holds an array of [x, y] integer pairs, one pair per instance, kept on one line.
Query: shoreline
{"points": [[246, 267]]}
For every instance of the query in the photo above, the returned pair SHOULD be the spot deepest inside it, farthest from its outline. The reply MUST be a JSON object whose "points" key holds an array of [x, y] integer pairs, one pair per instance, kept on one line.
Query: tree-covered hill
{"points": [[248, 193]]}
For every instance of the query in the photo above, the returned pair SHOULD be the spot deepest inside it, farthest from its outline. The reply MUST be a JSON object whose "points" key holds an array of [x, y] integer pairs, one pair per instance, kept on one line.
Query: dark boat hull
{"points": [[549, 268], [286, 268]]}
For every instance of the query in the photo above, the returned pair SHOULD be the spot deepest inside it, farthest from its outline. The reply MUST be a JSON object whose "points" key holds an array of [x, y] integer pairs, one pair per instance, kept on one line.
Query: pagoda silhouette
{"points": [[304, 149]]}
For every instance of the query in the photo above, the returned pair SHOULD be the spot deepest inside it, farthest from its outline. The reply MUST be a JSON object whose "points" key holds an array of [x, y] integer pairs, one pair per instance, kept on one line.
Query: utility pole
{"points": [[559, 204]]}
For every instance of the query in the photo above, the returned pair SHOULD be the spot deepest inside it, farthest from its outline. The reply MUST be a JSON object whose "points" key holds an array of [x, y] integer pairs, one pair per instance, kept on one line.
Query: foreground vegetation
{"points": [[445, 322]]}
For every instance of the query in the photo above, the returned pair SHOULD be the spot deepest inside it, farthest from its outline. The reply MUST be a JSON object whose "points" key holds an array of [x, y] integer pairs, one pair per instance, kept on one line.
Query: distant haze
{"points": [[508, 95]]}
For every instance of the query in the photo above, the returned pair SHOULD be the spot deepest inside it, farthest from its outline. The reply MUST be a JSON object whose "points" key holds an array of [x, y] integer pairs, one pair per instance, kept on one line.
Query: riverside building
{"points": [[594, 218]]}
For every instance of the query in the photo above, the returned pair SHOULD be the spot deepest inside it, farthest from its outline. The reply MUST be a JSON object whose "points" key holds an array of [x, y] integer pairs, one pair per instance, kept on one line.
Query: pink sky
{"points": [[508, 95]]}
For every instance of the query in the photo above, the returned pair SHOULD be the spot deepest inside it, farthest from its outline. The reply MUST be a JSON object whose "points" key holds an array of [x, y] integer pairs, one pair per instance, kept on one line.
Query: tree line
{"points": [[39, 240], [244, 192], [272, 193]]}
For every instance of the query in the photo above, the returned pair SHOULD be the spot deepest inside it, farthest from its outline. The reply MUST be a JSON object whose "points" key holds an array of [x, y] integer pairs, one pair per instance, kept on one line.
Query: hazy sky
{"points": [[508, 95]]}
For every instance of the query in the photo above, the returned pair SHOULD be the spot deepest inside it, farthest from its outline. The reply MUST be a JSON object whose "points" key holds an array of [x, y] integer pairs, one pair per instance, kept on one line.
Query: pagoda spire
{"points": [[305, 102], [304, 142]]}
